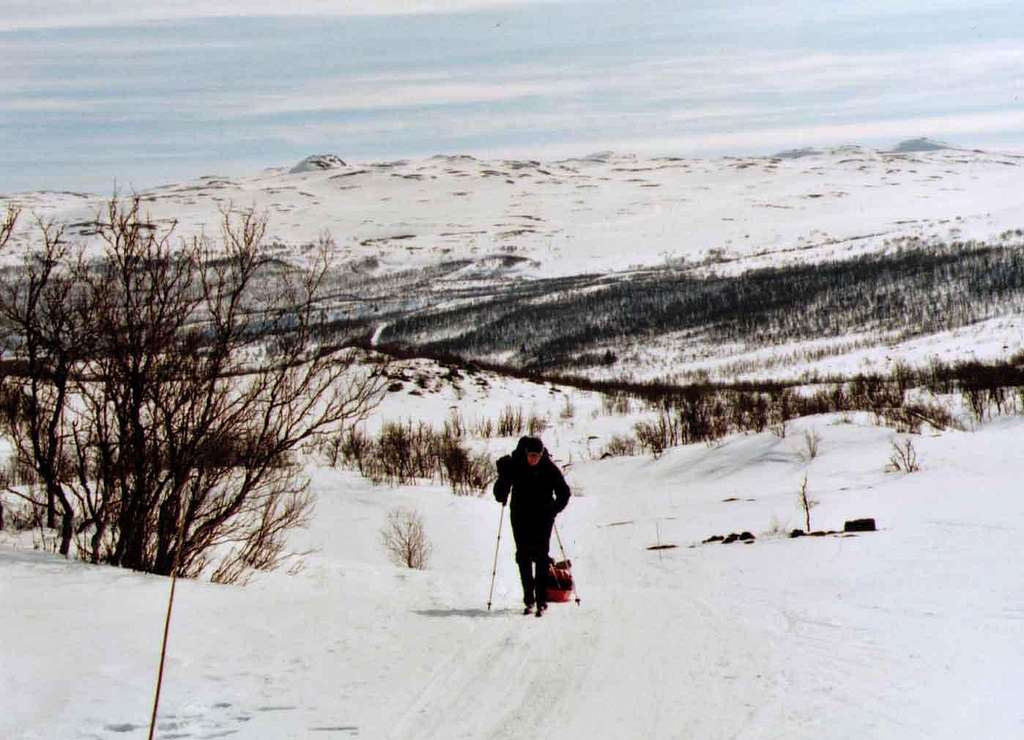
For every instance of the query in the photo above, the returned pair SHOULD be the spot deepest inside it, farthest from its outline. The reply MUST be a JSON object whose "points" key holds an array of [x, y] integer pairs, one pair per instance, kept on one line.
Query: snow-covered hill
{"points": [[914, 631], [420, 237], [602, 213]]}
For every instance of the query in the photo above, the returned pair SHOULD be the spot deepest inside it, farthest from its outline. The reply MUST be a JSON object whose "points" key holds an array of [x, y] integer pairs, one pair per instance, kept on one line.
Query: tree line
{"points": [[569, 323]]}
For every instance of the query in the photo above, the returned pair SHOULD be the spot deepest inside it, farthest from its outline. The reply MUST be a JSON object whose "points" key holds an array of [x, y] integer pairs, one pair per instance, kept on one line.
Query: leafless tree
{"points": [[405, 539], [43, 314], [806, 503], [7, 224], [6, 229], [197, 371]]}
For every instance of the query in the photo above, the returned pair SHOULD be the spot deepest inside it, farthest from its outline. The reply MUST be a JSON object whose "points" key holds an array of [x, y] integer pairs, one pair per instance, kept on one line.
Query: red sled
{"points": [[560, 586]]}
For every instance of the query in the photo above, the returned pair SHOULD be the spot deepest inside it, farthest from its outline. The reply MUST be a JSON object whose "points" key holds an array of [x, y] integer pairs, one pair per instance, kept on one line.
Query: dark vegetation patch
{"points": [[550, 324]]}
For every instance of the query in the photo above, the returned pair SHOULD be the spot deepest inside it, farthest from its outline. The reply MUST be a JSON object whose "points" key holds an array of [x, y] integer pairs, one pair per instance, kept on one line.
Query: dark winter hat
{"points": [[531, 444]]}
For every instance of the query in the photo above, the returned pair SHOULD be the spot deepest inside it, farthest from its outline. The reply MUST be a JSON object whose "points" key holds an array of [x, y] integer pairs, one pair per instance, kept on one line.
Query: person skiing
{"points": [[538, 492]]}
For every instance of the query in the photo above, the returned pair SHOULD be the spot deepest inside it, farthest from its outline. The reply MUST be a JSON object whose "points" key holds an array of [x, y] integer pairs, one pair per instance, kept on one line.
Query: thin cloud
{"points": [[784, 137], [712, 87], [411, 138], [22, 15], [402, 96]]}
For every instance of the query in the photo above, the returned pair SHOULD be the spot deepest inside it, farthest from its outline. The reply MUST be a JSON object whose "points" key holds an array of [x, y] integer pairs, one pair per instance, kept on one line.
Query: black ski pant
{"points": [[533, 539]]}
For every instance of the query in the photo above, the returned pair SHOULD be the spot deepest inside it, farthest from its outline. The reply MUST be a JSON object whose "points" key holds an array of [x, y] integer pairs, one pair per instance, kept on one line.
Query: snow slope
{"points": [[911, 632], [515, 220], [914, 631], [598, 214]]}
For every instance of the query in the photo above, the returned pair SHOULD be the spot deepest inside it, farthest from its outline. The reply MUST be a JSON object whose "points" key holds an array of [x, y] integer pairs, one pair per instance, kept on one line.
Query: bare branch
{"points": [[181, 394]]}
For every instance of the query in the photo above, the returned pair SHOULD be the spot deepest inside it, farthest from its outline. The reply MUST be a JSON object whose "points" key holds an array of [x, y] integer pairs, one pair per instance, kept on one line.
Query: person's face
{"points": [[532, 458]]}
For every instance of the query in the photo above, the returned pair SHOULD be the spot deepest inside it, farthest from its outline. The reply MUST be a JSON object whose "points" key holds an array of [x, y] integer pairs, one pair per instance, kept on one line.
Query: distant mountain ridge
{"points": [[600, 213], [907, 146]]}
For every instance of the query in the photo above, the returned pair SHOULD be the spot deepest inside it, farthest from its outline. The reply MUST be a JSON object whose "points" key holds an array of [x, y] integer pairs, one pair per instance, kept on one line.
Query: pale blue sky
{"points": [[152, 95]]}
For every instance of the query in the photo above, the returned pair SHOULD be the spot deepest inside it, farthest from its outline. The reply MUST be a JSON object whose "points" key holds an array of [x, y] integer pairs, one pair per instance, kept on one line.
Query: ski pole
{"points": [[167, 624], [494, 571], [566, 558]]}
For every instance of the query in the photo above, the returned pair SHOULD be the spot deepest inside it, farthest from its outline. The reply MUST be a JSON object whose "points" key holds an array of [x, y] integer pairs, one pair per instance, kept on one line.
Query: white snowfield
{"points": [[597, 214], [524, 219], [912, 632]]}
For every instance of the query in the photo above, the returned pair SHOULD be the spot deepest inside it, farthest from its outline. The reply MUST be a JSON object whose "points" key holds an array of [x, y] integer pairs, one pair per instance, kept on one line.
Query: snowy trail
{"points": [[915, 632], [804, 639], [623, 663]]}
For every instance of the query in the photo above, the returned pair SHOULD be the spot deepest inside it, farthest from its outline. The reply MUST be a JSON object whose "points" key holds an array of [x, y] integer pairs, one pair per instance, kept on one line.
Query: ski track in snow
{"points": [[681, 646], [912, 632]]}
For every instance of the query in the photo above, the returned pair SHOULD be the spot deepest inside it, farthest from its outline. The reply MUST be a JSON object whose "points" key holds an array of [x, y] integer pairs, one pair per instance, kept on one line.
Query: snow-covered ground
{"points": [[521, 220], [914, 631], [599, 214]]}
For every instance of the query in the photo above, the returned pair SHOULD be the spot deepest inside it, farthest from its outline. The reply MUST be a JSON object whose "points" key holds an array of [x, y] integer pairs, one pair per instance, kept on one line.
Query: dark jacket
{"points": [[538, 492]]}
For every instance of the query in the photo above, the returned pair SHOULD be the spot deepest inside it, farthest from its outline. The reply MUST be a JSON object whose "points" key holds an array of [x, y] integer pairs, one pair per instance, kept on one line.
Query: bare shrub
{"points": [[401, 453], [903, 457], [405, 539], [976, 400], [620, 446], [651, 437], [812, 441], [466, 472], [911, 417], [806, 503], [455, 425], [782, 406], [404, 453], [663, 432], [165, 387], [511, 422], [568, 410], [618, 404], [936, 414], [484, 428], [330, 448], [347, 447], [536, 425]]}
